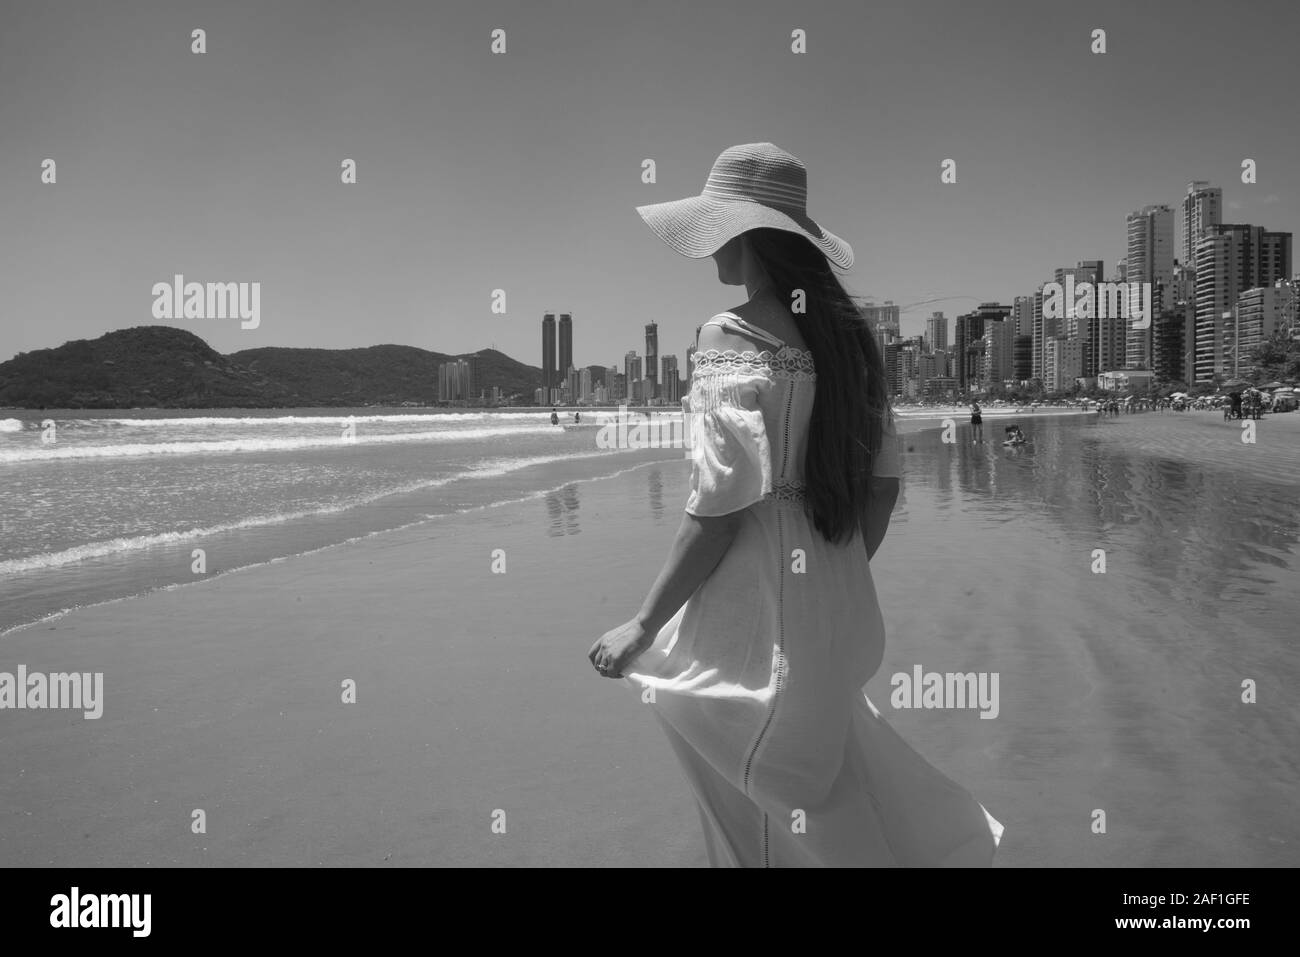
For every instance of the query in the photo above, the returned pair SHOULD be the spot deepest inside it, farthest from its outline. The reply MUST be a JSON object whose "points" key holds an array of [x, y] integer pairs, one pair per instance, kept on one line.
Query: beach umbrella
{"points": [[1272, 385]]}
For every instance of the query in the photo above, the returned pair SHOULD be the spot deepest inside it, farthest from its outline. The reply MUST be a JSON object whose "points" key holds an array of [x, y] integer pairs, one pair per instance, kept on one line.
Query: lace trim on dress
{"points": [[787, 362], [787, 490]]}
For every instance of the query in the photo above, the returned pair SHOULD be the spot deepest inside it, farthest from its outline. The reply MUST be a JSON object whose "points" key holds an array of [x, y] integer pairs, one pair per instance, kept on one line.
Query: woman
{"points": [[977, 421], [754, 643]]}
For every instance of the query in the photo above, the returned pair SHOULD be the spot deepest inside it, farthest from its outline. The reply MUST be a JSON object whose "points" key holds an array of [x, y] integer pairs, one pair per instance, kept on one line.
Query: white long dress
{"points": [[758, 679]]}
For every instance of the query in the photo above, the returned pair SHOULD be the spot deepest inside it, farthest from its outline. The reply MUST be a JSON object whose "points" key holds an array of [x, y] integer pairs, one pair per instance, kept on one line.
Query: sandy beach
{"points": [[962, 412], [1120, 691]]}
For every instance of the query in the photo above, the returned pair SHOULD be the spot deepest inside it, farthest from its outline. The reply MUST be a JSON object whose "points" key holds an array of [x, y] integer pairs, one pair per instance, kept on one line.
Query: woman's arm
{"points": [[699, 546], [875, 520]]}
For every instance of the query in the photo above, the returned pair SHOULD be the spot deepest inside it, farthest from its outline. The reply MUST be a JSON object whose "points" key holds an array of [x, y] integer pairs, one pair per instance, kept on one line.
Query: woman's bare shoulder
{"points": [[772, 317], [716, 336]]}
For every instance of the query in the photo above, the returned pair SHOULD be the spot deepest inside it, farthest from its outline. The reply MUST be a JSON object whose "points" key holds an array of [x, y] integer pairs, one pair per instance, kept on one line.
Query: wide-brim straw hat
{"points": [[751, 186]]}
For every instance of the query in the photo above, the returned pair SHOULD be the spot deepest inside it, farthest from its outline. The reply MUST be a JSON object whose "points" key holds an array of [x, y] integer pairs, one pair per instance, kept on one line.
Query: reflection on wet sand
{"points": [[655, 489], [1204, 527], [1133, 583], [562, 511]]}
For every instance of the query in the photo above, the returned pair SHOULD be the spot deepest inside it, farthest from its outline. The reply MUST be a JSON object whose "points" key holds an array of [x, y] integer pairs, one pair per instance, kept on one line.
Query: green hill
{"points": [[165, 367]]}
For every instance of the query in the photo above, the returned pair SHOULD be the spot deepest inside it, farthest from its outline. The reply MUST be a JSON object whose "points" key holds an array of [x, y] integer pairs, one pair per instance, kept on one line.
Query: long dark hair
{"points": [[852, 398]]}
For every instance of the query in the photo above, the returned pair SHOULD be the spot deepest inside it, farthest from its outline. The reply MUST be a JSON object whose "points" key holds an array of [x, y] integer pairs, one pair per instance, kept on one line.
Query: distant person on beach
{"points": [[752, 662], [577, 417], [977, 422], [555, 417]]}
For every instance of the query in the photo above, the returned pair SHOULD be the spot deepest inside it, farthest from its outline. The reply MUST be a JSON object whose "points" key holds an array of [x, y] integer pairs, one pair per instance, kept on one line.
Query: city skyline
{"points": [[655, 377], [1016, 343], [525, 178]]}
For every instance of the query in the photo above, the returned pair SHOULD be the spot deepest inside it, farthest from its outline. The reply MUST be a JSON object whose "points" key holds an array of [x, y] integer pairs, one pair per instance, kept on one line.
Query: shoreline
{"points": [[265, 731], [528, 482], [473, 694], [953, 412]]}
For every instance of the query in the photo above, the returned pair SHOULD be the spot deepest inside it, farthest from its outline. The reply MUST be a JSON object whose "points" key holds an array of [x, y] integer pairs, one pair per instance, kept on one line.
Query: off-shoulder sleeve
{"points": [[731, 461], [888, 462]]}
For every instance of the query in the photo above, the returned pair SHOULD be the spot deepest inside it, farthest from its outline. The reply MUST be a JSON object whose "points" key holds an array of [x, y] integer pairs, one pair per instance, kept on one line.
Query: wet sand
{"points": [[474, 696], [1207, 439]]}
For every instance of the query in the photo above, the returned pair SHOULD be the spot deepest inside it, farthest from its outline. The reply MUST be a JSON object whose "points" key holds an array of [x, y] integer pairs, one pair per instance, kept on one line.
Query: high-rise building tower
{"points": [[968, 363], [999, 351], [1021, 358], [1173, 336], [652, 359], [1044, 330], [907, 369], [615, 385], [1087, 270], [457, 380], [1086, 328], [1150, 260], [670, 383], [632, 375], [566, 343], [936, 332], [550, 379], [1260, 313], [1022, 315], [1202, 210], [883, 321], [1230, 259]]}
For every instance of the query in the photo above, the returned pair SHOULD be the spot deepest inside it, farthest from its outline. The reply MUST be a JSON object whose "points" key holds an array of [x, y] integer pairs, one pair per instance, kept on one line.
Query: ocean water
{"points": [[118, 502]]}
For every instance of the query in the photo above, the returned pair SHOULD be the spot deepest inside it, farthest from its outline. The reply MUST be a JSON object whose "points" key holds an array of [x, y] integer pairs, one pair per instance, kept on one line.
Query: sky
{"points": [[521, 171]]}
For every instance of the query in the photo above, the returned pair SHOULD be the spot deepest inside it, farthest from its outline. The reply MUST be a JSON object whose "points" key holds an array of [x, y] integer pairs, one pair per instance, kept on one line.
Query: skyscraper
{"points": [[1260, 312], [652, 359], [1230, 259], [566, 343], [1044, 329], [1088, 329], [670, 384], [890, 352], [999, 351], [1022, 315], [970, 330], [1087, 270], [907, 373], [936, 332], [457, 380], [1202, 209], [1062, 363], [632, 375], [969, 343], [883, 321], [1173, 338], [1150, 260], [1022, 358], [549, 378]]}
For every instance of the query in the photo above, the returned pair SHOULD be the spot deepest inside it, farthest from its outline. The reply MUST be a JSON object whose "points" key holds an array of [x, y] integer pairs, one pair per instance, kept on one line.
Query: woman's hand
{"points": [[618, 648], [699, 546]]}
